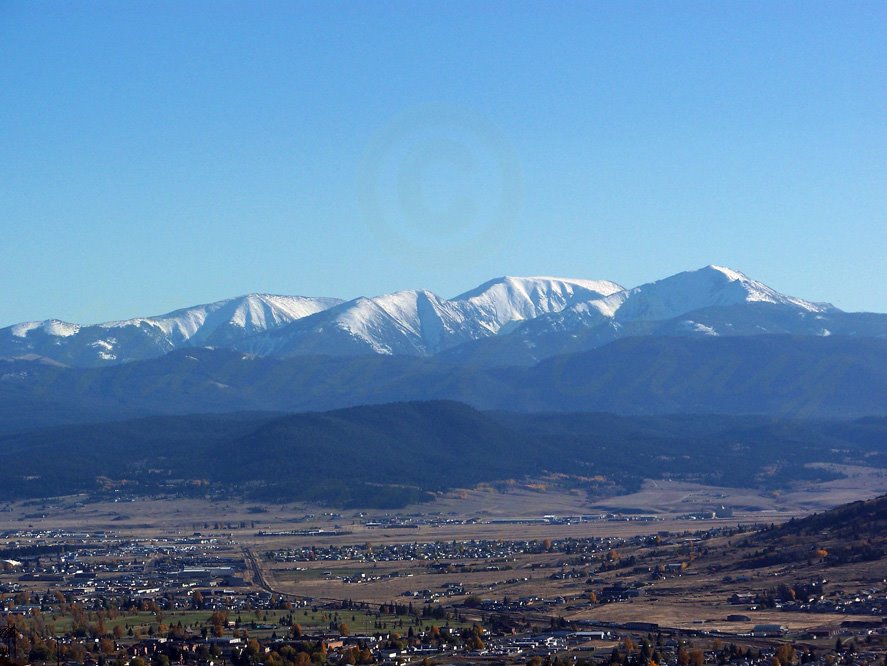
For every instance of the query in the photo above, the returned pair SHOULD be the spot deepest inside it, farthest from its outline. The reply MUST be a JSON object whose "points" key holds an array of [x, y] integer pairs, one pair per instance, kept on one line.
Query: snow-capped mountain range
{"points": [[422, 323], [531, 317]]}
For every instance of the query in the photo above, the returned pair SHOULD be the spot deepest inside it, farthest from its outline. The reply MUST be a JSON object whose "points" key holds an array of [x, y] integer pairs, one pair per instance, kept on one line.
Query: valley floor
{"points": [[528, 556]]}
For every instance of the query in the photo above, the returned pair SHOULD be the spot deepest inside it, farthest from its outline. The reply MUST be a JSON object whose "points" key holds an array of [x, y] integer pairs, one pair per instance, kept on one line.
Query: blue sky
{"points": [[157, 155]]}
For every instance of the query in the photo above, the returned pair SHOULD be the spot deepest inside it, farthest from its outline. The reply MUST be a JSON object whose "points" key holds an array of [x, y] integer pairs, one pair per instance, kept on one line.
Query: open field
{"points": [[670, 497], [668, 500], [698, 615]]}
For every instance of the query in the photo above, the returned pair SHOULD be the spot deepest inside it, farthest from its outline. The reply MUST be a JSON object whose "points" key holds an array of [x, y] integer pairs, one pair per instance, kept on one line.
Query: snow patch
{"points": [[55, 327], [22, 330], [697, 327], [61, 329]]}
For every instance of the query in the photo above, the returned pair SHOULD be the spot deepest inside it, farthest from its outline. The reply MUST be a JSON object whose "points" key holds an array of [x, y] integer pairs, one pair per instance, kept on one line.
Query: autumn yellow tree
{"points": [[785, 653]]}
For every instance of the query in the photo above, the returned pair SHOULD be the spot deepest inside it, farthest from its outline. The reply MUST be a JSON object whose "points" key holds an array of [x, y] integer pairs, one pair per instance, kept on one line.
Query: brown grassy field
{"points": [[667, 499]]}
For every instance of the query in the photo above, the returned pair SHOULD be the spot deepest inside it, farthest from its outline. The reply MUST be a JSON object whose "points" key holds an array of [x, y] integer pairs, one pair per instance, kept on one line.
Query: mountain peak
{"points": [[53, 327], [729, 273], [710, 286], [538, 282]]}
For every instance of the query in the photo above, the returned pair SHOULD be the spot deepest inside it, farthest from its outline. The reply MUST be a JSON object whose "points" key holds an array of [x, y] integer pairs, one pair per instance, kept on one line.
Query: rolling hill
{"points": [[389, 455]]}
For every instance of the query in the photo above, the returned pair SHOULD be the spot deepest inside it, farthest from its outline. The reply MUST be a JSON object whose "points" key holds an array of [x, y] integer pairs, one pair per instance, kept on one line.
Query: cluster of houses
{"points": [[474, 549], [870, 601], [443, 645], [57, 567]]}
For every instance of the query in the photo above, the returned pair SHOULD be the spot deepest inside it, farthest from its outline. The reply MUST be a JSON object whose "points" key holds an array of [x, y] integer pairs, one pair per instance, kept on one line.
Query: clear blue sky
{"points": [[160, 154]]}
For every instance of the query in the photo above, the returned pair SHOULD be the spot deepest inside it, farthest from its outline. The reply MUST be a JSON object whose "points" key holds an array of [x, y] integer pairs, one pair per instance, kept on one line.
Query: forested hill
{"points": [[389, 455], [847, 535], [864, 520]]}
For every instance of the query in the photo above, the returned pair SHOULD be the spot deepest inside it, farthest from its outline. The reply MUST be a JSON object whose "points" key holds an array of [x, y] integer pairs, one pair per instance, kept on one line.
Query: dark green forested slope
{"points": [[776, 375], [387, 455]]}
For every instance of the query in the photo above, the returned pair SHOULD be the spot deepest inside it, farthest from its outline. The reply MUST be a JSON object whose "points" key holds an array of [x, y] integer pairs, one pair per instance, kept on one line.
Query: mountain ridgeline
{"points": [[390, 455], [506, 321]]}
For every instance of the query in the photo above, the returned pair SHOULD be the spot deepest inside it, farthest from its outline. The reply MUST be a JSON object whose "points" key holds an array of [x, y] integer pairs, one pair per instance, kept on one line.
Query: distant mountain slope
{"points": [[506, 321], [388, 455], [803, 376], [783, 375], [215, 324]]}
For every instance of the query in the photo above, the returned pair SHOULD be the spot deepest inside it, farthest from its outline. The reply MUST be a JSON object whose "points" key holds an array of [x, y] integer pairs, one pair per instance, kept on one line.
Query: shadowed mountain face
{"points": [[389, 455], [507, 321], [776, 375]]}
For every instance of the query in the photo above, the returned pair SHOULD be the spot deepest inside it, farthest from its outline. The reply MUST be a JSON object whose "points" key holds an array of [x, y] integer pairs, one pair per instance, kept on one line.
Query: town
{"points": [[237, 592]]}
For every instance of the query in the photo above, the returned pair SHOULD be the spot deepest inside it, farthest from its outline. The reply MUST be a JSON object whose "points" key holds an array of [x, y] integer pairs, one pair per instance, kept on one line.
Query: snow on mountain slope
{"points": [[712, 286], [509, 300], [421, 323], [387, 324], [407, 322], [53, 327], [504, 319], [220, 323], [710, 301], [227, 320], [709, 287]]}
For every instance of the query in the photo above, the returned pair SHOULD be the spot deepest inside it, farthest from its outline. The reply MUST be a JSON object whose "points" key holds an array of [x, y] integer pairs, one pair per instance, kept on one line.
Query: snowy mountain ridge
{"points": [[252, 313], [212, 324], [712, 286], [713, 300], [419, 322]]}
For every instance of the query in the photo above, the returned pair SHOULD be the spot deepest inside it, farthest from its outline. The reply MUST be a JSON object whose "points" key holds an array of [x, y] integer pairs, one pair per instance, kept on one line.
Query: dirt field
{"points": [[671, 497], [668, 500]]}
